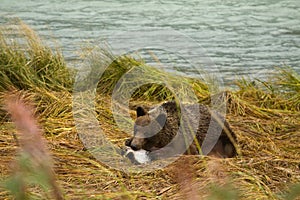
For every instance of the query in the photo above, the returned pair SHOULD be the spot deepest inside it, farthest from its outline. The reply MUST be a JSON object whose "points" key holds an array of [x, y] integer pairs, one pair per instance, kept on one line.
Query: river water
{"points": [[240, 37]]}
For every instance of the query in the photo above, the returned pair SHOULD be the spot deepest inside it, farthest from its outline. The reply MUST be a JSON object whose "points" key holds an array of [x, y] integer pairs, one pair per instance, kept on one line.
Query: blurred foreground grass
{"points": [[264, 114]]}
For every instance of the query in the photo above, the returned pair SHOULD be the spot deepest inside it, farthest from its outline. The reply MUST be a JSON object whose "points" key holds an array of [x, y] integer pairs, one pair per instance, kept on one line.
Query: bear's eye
{"points": [[134, 129]]}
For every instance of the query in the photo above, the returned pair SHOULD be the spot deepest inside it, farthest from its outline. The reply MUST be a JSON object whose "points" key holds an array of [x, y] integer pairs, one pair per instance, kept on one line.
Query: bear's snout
{"points": [[134, 147], [137, 143]]}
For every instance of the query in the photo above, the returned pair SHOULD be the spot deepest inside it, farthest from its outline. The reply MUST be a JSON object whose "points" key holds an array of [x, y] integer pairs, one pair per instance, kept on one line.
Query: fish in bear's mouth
{"points": [[136, 157]]}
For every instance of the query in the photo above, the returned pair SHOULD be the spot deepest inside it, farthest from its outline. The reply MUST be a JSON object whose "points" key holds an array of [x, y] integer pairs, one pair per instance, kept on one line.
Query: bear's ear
{"points": [[161, 119], [140, 111]]}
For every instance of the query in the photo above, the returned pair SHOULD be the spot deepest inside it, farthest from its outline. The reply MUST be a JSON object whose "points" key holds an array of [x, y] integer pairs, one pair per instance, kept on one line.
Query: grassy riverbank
{"points": [[265, 115]]}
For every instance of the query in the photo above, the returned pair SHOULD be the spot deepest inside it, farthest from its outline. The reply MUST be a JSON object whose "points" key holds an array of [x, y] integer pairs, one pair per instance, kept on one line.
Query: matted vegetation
{"points": [[264, 114]]}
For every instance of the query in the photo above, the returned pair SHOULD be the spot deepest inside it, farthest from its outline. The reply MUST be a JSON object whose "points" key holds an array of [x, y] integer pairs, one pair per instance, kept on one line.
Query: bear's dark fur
{"points": [[155, 129]]}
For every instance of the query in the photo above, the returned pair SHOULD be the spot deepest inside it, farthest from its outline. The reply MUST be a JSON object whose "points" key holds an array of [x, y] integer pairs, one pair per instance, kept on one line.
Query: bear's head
{"points": [[146, 133]]}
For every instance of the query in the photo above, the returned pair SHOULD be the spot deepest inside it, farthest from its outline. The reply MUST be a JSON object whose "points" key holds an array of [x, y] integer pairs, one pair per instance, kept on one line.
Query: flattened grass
{"points": [[264, 115]]}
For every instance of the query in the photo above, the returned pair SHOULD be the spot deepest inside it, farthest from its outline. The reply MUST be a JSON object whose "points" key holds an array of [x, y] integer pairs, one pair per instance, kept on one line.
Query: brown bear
{"points": [[169, 130]]}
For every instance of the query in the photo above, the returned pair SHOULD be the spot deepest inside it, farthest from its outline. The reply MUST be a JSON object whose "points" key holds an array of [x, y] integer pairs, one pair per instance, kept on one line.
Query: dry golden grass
{"points": [[264, 115]]}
